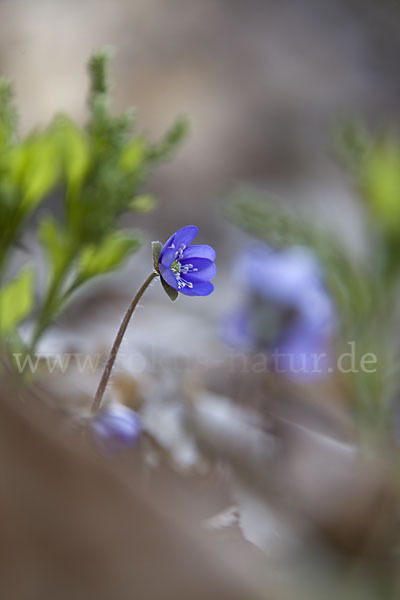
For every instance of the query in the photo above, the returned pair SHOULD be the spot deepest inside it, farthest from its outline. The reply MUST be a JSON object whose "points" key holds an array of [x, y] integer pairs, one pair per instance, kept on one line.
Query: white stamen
{"points": [[186, 268], [183, 270], [179, 253]]}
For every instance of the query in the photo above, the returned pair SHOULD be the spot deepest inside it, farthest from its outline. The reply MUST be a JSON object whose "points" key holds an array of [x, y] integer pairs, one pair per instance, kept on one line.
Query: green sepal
{"points": [[170, 291], [157, 247]]}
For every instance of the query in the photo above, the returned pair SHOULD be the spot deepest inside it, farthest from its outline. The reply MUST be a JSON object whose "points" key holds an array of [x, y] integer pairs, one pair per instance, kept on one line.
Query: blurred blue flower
{"points": [[187, 269], [287, 311], [116, 427]]}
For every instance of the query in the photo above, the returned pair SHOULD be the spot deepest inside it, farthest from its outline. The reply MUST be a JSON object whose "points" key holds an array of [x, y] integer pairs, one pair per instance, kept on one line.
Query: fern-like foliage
{"points": [[98, 170]]}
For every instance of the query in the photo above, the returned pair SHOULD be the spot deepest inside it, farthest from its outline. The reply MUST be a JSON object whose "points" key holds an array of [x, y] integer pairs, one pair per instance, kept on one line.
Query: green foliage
{"points": [[114, 250], [143, 204], [34, 169], [352, 143], [376, 166], [173, 137], [98, 171], [8, 115], [380, 183], [98, 73], [16, 301], [72, 147], [29, 169], [55, 244]]}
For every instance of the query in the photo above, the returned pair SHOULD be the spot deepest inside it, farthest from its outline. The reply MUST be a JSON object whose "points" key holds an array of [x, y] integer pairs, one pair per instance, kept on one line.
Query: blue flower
{"points": [[116, 427], [286, 312], [187, 269]]}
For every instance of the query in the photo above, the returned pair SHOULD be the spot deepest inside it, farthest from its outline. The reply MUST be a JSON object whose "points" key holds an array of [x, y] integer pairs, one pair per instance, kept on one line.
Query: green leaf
{"points": [[110, 254], [352, 143], [133, 155], [380, 183], [170, 291], [263, 217], [34, 168], [54, 242], [73, 147], [97, 67], [8, 116], [16, 301], [171, 140], [157, 247], [143, 204]]}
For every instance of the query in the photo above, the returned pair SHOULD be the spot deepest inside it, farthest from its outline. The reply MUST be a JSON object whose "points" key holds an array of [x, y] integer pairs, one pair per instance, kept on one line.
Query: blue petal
{"points": [[182, 236], [168, 277], [199, 251], [281, 276], [167, 257], [206, 269], [167, 244], [289, 278], [202, 288], [116, 426], [185, 235]]}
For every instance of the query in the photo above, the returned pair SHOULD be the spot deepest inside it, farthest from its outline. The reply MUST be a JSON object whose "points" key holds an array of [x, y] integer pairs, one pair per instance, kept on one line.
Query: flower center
{"points": [[178, 269], [175, 267]]}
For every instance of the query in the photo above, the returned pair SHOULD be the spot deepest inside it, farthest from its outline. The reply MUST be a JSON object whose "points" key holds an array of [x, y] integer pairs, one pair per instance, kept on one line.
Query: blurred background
{"points": [[264, 85]]}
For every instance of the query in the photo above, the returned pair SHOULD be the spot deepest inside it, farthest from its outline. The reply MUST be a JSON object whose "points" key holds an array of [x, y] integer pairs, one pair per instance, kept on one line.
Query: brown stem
{"points": [[117, 343]]}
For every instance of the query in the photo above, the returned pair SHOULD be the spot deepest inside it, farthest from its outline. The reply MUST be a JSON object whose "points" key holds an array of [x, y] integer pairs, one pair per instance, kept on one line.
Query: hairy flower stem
{"points": [[117, 343]]}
